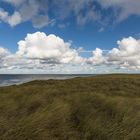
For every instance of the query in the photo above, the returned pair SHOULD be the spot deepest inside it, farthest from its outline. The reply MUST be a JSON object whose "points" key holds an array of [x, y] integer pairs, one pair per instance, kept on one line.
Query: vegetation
{"points": [[103, 107]]}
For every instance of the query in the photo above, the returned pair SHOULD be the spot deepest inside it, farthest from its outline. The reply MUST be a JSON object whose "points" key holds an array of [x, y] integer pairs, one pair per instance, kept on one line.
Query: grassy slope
{"points": [[91, 108]]}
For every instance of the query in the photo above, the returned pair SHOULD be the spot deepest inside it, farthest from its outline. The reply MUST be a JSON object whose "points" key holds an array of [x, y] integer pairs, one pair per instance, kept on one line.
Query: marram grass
{"points": [[103, 107]]}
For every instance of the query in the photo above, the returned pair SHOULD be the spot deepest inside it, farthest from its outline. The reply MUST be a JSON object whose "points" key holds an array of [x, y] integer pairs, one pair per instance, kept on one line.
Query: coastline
{"points": [[18, 79]]}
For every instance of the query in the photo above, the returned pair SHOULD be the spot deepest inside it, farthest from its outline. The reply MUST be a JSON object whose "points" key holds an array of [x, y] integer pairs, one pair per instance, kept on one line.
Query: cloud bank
{"points": [[52, 53]]}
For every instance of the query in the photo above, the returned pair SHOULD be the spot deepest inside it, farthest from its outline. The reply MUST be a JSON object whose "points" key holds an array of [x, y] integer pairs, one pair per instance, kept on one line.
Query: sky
{"points": [[69, 36]]}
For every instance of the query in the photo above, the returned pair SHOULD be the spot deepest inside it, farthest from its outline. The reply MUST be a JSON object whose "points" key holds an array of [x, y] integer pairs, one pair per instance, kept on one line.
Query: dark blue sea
{"points": [[15, 79]]}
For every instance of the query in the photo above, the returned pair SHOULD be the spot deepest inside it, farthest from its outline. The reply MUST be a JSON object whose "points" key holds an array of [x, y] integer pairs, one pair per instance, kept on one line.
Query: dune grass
{"points": [[103, 107]]}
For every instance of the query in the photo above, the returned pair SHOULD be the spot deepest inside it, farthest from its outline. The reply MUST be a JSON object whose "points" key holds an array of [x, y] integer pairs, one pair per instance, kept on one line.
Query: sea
{"points": [[16, 79]]}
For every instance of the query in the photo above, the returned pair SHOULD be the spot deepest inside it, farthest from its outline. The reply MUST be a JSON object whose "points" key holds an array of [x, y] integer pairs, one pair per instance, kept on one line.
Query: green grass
{"points": [[103, 107]]}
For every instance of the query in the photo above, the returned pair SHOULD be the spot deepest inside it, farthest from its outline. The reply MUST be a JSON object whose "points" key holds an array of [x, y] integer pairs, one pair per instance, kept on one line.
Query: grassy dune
{"points": [[91, 108]]}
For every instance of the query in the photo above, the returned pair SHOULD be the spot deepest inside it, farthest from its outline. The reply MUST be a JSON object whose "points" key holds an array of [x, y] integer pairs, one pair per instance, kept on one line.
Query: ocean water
{"points": [[13, 79]]}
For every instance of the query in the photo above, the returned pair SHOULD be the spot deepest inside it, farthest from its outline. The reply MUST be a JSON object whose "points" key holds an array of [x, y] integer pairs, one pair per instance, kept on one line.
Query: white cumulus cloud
{"points": [[98, 58], [51, 49], [3, 52], [127, 54]]}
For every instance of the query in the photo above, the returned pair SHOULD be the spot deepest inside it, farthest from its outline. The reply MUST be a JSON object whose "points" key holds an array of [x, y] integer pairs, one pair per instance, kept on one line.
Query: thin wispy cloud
{"points": [[84, 11]]}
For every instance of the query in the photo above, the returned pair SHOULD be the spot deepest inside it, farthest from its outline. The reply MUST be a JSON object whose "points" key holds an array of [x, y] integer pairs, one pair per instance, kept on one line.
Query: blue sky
{"points": [[83, 35]]}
